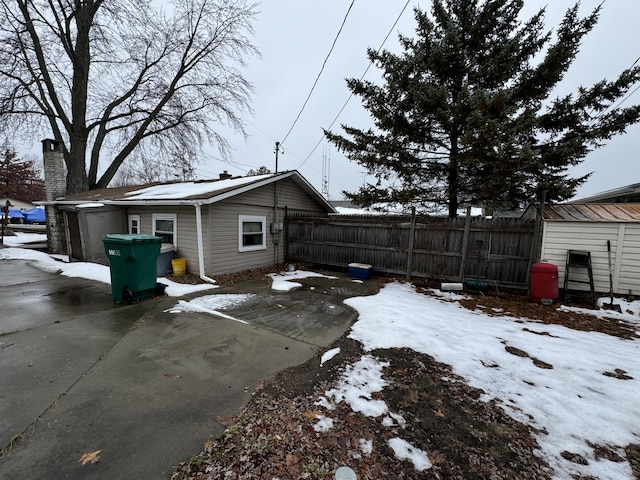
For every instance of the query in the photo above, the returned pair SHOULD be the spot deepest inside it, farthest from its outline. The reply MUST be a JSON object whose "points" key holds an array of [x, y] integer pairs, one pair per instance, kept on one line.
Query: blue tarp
{"points": [[35, 215], [14, 213]]}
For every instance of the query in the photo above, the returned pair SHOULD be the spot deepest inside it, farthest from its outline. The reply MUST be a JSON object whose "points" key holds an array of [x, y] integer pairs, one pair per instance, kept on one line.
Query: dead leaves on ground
{"points": [[274, 436], [619, 374], [312, 414], [520, 306], [90, 457], [225, 421], [521, 353]]}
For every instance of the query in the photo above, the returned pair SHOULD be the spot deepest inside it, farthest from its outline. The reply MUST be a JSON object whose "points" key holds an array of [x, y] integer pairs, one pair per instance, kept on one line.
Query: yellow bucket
{"points": [[179, 266]]}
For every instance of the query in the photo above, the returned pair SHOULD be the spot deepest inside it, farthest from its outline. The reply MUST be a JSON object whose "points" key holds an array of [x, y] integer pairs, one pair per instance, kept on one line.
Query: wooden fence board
{"points": [[498, 250]]}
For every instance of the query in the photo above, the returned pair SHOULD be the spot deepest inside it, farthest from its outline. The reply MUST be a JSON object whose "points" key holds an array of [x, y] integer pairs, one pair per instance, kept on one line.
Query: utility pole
{"points": [[277, 150]]}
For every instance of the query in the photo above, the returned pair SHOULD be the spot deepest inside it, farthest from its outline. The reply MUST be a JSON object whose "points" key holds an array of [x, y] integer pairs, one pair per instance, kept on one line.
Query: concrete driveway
{"points": [[142, 386]]}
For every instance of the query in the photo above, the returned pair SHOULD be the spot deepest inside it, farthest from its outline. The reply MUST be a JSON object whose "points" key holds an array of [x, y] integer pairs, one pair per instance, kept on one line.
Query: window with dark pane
{"points": [[251, 233], [164, 228]]}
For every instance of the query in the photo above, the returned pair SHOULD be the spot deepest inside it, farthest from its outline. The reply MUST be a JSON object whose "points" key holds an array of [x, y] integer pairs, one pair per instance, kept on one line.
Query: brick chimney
{"points": [[225, 175], [54, 178], [55, 184]]}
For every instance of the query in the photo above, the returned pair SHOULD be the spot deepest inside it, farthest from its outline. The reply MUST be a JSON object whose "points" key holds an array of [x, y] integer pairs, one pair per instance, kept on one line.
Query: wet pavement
{"points": [[142, 386]]}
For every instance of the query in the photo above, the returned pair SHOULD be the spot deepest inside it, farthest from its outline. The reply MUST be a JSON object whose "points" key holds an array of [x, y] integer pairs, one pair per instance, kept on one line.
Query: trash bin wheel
{"points": [[127, 296], [160, 289]]}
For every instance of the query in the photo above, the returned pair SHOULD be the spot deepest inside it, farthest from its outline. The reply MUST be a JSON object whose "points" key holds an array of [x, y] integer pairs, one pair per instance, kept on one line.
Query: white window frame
{"points": [[166, 216], [135, 218], [253, 219]]}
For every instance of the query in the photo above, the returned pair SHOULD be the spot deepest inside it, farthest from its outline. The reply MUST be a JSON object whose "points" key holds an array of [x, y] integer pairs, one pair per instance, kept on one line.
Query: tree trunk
{"points": [[453, 189], [77, 180], [452, 178]]}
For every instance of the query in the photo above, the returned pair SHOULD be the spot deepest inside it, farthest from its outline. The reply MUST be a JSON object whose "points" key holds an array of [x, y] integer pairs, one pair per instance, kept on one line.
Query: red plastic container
{"points": [[544, 283]]}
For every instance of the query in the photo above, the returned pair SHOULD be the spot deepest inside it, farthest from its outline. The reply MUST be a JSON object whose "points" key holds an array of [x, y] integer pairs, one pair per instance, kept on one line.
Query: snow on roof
{"points": [[201, 191], [173, 191], [91, 205], [380, 209]]}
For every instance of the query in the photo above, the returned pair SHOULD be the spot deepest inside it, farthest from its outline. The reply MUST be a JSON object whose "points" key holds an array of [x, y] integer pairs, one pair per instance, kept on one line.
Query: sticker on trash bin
{"points": [[114, 253]]}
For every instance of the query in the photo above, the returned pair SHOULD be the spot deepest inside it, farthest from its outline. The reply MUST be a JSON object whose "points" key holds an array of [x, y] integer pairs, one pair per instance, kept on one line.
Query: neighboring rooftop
{"points": [[593, 212], [627, 194]]}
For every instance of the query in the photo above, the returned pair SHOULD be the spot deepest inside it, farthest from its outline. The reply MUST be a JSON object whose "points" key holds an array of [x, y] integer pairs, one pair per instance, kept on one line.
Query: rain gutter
{"points": [[201, 244]]}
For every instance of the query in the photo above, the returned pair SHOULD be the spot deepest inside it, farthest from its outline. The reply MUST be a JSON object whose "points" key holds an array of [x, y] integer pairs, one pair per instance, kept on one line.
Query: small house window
{"points": [[251, 233], [165, 226], [134, 224]]}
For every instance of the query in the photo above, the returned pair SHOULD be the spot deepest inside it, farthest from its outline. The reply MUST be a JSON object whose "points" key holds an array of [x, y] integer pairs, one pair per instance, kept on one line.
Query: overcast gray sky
{"points": [[295, 37]]}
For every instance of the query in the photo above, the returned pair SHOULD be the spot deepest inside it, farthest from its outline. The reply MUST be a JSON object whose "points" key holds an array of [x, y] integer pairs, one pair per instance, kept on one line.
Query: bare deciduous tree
{"points": [[110, 78], [137, 170]]}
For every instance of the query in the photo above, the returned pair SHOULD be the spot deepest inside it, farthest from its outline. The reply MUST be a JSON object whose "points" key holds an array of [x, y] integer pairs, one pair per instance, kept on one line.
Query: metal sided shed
{"points": [[587, 227]]}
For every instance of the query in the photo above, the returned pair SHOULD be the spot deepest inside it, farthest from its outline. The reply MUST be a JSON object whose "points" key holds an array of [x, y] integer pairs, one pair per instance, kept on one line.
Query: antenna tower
{"points": [[326, 171]]}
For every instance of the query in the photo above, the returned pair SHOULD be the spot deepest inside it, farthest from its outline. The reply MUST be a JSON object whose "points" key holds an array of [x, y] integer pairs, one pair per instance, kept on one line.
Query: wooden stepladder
{"points": [[579, 271]]}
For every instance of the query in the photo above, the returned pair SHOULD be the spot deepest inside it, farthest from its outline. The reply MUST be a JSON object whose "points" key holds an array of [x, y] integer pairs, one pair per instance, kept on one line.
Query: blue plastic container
{"points": [[360, 270]]}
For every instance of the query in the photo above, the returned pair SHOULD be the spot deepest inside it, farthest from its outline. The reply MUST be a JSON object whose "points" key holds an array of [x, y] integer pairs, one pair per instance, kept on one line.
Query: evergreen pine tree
{"points": [[464, 114]]}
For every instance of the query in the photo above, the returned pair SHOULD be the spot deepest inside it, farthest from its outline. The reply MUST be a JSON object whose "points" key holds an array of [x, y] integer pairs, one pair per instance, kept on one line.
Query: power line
{"points": [[232, 163], [261, 131], [361, 77], [614, 107], [319, 73]]}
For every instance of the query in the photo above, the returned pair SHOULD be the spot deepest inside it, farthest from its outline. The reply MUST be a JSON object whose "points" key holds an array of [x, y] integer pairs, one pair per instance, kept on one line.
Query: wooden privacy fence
{"points": [[496, 250]]}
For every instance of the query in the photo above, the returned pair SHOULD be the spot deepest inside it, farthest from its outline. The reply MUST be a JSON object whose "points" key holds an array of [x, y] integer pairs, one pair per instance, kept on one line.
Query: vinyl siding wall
{"points": [[295, 199], [222, 222], [220, 228], [225, 256], [627, 270], [559, 237], [187, 241]]}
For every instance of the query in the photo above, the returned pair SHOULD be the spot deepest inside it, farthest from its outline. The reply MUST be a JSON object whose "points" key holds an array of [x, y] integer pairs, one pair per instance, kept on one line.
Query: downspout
{"points": [[274, 224], [200, 244]]}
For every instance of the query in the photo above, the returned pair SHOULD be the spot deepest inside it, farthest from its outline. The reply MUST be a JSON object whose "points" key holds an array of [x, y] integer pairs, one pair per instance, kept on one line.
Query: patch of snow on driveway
{"points": [[212, 304], [283, 282]]}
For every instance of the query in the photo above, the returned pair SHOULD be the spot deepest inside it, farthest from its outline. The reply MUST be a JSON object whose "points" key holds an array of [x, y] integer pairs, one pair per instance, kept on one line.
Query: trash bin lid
{"points": [[166, 248], [131, 238], [544, 267]]}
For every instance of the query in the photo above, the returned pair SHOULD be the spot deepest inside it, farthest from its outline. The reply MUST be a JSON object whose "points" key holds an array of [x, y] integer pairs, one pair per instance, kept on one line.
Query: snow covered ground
{"points": [[90, 271], [589, 395], [574, 402]]}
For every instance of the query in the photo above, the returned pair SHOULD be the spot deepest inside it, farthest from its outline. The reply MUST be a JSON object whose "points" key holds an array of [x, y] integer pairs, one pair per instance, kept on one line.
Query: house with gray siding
{"points": [[218, 226]]}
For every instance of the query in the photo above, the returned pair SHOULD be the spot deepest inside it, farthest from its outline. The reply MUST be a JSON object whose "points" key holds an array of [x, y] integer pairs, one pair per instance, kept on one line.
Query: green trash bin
{"points": [[133, 265]]}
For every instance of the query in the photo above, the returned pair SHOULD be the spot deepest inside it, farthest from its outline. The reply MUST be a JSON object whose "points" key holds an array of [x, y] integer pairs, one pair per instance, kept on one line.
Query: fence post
{"points": [[286, 234], [412, 231], [465, 243]]}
